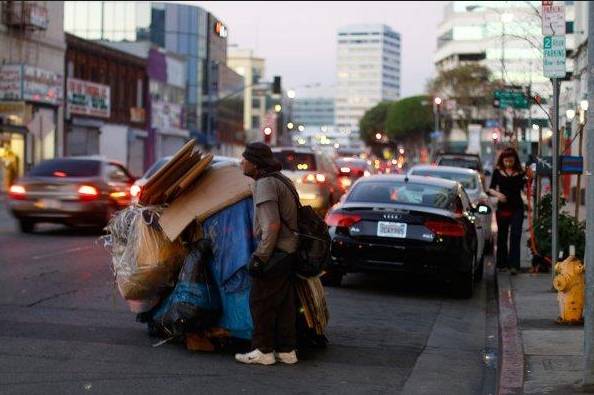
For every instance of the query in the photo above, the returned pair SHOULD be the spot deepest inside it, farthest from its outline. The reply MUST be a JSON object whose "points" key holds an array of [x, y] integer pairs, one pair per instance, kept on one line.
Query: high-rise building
{"points": [[180, 28], [368, 71], [314, 107]]}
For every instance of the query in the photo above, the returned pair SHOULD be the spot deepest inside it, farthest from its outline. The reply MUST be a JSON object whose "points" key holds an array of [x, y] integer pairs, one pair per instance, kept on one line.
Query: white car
{"points": [[471, 181]]}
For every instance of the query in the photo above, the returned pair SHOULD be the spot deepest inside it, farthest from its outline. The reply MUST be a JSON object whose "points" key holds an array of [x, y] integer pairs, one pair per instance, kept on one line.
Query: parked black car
{"points": [[410, 224], [81, 191]]}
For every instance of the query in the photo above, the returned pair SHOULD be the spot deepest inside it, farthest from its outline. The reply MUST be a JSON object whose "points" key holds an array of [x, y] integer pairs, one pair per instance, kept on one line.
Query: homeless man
{"points": [[272, 297]]}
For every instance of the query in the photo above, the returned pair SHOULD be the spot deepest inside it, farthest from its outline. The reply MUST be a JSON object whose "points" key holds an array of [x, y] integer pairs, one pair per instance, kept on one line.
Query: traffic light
{"points": [[276, 85]]}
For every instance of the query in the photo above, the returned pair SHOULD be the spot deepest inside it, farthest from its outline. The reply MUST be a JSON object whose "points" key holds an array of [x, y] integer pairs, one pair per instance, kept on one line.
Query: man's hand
{"points": [[256, 267]]}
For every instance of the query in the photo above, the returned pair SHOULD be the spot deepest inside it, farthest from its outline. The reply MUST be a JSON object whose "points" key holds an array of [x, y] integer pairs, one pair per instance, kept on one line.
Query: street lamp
{"points": [[290, 126], [570, 114], [584, 105], [278, 108], [378, 136], [291, 94], [301, 128]]}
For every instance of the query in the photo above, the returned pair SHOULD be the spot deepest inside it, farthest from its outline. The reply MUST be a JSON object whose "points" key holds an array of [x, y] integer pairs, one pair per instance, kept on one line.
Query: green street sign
{"points": [[514, 99]]}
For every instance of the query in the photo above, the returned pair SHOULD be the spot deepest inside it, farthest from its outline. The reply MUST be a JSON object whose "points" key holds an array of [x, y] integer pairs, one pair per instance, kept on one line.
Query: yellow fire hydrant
{"points": [[569, 282]]}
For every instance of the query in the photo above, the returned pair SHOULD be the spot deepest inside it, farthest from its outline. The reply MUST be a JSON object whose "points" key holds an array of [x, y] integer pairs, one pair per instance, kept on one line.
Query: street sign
{"points": [[554, 57], [553, 18], [511, 98]]}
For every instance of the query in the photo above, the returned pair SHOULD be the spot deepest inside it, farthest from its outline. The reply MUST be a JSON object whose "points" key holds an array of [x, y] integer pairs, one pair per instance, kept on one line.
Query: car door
{"points": [[473, 217], [119, 182]]}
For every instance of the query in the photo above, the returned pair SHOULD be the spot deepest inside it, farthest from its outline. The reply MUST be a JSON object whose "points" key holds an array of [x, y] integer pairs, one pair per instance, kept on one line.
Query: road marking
{"points": [[64, 252]]}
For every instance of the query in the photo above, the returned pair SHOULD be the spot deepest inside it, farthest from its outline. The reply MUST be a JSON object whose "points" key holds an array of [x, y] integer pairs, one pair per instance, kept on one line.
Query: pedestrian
{"points": [[507, 183], [272, 297]]}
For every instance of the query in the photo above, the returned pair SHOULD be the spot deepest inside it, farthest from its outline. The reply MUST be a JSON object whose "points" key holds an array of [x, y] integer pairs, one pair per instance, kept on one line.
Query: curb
{"points": [[511, 367]]}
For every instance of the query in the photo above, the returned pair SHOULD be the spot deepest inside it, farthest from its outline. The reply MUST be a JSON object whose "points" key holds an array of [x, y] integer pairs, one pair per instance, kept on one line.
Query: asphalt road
{"points": [[63, 330]]}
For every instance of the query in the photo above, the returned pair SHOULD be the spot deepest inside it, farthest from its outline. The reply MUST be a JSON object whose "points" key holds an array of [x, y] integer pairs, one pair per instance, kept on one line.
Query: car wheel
{"points": [[332, 278], [489, 245], [26, 226], [463, 284], [478, 272]]}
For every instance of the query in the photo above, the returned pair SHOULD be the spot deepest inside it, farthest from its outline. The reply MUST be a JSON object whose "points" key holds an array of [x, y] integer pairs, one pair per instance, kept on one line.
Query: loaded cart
{"points": [[179, 256]]}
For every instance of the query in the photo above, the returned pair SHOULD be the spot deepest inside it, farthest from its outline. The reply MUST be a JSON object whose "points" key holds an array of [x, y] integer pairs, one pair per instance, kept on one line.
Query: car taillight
{"points": [[446, 228], [135, 190], [341, 219], [87, 192], [345, 183], [17, 192], [314, 178], [345, 170]]}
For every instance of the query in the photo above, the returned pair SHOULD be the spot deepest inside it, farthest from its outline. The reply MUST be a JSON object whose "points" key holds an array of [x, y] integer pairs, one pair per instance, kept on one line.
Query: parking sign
{"points": [[554, 56]]}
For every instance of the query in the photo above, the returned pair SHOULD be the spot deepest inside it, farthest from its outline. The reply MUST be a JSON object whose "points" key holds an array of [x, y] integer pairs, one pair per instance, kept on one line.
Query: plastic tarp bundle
{"points": [[195, 302], [145, 263], [230, 232]]}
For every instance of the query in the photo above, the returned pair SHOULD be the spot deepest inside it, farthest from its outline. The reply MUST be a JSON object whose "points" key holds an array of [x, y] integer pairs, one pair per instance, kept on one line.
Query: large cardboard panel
{"points": [[214, 190]]}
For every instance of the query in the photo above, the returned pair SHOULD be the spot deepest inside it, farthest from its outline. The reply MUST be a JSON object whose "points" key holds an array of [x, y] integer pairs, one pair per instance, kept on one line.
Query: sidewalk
{"points": [[537, 355]]}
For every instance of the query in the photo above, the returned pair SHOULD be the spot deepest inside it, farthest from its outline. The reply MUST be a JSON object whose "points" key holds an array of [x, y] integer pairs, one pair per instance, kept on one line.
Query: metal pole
{"points": [[589, 255], [555, 179], [578, 187], [538, 177]]}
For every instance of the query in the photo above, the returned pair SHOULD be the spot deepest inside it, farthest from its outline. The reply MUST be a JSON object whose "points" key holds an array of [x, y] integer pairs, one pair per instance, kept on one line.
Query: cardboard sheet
{"points": [[214, 190]]}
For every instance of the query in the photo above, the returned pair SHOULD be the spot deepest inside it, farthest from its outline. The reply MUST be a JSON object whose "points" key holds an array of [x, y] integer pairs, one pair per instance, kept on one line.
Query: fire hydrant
{"points": [[569, 282]]}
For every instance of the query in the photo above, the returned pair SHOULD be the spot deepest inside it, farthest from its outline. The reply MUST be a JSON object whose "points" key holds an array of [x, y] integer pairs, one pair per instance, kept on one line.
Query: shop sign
{"points": [[88, 98], [42, 85], [10, 82], [220, 29], [165, 115], [22, 82]]}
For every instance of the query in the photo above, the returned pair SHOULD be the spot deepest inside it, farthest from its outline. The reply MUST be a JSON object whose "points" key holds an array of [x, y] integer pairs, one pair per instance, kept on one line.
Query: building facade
{"points": [[252, 69], [184, 29], [368, 71], [107, 103], [314, 106], [32, 50], [166, 72]]}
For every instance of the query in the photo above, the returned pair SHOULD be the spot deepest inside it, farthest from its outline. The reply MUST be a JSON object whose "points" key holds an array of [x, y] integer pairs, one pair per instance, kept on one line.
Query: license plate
{"points": [[391, 229], [52, 204]]}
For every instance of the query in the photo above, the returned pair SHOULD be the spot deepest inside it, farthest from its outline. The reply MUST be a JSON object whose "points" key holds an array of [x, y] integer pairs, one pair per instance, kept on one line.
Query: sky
{"points": [[298, 39]]}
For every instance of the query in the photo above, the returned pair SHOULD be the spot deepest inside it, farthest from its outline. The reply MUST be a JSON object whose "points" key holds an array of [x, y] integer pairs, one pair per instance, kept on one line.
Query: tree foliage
{"points": [[373, 121], [410, 117], [470, 86]]}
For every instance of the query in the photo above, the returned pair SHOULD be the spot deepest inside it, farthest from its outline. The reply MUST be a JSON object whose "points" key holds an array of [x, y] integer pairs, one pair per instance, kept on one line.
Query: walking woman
{"points": [[507, 183]]}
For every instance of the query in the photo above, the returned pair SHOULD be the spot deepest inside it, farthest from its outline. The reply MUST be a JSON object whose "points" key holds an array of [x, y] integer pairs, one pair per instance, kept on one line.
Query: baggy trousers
{"points": [[509, 228], [272, 303]]}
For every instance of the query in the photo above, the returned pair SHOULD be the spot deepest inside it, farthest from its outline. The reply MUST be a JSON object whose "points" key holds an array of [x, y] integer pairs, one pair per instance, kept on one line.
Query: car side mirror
{"points": [[483, 209]]}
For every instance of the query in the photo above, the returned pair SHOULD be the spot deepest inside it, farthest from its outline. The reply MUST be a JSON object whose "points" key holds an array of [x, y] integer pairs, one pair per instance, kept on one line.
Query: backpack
{"points": [[313, 248]]}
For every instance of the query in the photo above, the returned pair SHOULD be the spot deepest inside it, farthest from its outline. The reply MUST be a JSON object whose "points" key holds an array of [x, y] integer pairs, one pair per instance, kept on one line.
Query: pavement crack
{"points": [[54, 296]]}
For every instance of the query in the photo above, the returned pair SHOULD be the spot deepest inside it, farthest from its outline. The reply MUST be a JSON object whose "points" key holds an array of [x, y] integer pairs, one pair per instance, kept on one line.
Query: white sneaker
{"points": [[256, 357], [286, 357]]}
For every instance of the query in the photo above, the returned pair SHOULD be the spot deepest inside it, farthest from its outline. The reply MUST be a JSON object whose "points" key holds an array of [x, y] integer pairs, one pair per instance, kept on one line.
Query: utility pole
{"points": [[588, 380]]}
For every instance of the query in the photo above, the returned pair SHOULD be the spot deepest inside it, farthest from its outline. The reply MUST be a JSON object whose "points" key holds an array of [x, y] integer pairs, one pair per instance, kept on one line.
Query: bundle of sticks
{"points": [[312, 297], [175, 176]]}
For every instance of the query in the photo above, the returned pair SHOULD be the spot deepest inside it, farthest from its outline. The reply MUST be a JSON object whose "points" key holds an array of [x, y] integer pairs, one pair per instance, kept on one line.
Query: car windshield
{"points": [[467, 163], [296, 161], [468, 181], [65, 168], [155, 167], [390, 192]]}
